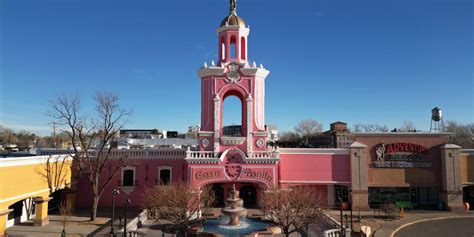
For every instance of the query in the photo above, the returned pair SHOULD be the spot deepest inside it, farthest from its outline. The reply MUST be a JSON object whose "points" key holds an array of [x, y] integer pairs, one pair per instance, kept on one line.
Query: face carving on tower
{"points": [[233, 167], [233, 75]]}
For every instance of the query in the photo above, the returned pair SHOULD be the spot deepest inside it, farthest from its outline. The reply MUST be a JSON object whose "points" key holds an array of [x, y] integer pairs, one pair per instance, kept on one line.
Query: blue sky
{"points": [[377, 61]]}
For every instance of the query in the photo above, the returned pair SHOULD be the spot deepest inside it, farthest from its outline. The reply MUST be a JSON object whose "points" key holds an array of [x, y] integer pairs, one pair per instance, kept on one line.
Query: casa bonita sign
{"points": [[401, 155], [244, 173]]}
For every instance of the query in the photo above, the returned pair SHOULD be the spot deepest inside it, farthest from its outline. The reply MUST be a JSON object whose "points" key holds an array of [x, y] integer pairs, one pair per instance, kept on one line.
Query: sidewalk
{"points": [[78, 224]]}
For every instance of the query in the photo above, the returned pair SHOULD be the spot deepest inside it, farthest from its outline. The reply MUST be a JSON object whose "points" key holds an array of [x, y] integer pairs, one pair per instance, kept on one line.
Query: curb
{"points": [[431, 219]]}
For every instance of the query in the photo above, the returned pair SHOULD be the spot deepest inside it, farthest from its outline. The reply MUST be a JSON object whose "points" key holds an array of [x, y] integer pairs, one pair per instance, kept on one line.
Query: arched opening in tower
{"points": [[242, 48], [233, 50], [232, 117]]}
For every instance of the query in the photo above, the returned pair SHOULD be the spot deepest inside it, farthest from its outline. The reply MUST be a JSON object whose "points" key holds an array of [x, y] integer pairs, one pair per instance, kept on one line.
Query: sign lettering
{"points": [[401, 155]]}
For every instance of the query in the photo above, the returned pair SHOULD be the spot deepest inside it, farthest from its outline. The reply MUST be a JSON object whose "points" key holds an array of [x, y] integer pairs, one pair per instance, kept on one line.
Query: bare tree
{"points": [[55, 171], [308, 128], [289, 139], [65, 210], [461, 134], [292, 209], [178, 203], [369, 127], [84, 131], [408, 126]]}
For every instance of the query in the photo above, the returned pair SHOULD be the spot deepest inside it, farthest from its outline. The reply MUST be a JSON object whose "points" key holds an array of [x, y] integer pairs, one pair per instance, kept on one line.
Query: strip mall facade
{"points": [[377, 167]]}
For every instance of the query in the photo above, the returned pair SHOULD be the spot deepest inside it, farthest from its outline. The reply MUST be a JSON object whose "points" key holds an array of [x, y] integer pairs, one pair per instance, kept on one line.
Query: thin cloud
{"points": [[40, 129]]}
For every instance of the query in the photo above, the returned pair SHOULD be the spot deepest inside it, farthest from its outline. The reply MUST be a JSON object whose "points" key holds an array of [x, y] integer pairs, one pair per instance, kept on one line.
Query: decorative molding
{"points": [[205, 133], [31, 160], [308, 151], [259, 72], [211, 71], [30, 194], [450, 146], [244, 31], [314, 182], [398, 134], [260, 134], [259, 142], [357, 145], [230, 141], [467, 151]]}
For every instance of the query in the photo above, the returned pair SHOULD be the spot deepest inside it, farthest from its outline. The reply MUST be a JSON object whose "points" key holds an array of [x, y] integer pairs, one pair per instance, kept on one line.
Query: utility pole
{"points": [[54, 135]]}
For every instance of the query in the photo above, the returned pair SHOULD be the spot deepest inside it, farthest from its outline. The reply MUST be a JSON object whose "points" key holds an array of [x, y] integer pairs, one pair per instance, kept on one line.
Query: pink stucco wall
{"points": [[146, 175], [317, 166]]}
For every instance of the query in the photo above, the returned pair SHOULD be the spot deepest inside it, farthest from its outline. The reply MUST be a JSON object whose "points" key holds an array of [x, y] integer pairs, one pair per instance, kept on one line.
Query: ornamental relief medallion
{"points": [[205, 142], [233, 75]]}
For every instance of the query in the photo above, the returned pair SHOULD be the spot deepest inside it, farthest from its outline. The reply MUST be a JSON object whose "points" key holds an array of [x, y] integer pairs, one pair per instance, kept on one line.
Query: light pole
{"points": [[125, 216], [350, 203], [342, 223], [115, 192]]}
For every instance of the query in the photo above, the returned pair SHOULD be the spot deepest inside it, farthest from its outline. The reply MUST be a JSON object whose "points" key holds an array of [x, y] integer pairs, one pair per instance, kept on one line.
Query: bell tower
{"points": [[233, 76]]}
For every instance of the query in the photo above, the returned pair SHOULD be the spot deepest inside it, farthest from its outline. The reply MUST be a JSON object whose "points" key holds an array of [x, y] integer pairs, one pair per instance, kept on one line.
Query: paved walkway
{"points": [[384, 227], [77, 226]]}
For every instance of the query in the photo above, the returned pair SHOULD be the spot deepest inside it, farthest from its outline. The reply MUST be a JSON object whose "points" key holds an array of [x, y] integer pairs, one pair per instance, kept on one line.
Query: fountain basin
{"points": [[245, 227]]}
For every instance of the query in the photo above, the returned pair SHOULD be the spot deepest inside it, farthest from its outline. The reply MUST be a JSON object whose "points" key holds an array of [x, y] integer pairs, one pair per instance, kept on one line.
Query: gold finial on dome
{"points": [[233, 6], [232, 19]]}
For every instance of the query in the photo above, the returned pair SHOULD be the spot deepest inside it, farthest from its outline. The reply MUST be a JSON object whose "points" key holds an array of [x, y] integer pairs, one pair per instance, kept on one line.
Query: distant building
{"points": [[193, 132], [341, 137], [170, 134], [140, 133], [232, 130]]}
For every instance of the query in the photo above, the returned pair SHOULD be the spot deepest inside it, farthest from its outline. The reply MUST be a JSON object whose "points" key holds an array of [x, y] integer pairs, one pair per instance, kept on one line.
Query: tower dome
{"points": [[232, 19]]}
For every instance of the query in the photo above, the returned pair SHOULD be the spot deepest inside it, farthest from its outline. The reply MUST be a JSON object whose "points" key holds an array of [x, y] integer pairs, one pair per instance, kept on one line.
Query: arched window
{"points": [[128, 176], [222, 51], [233, 50], [232, 116], [164, 175], [242, 48]]}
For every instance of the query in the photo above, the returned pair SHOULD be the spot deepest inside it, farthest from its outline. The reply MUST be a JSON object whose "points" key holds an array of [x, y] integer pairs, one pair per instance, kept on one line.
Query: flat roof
{"points": [[421, 134]]}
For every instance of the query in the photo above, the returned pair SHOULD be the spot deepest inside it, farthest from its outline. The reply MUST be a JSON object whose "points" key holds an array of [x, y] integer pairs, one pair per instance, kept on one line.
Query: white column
{"points": [[249, 125], [216, 124]]}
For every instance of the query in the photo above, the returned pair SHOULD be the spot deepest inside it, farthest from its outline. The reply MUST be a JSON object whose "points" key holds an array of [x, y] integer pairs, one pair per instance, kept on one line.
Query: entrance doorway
{"points": [[469, 196], [248, 193], [218, 190]]}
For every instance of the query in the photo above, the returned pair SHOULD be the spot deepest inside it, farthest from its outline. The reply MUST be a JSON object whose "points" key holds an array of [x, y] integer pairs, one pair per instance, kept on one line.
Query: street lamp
{"points": [[125, 216], [115, 192], [342, 223], [350, 203]]}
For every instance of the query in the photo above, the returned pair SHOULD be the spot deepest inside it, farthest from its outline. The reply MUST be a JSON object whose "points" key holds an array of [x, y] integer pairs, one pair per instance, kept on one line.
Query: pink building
{"points": [[247, 161]]}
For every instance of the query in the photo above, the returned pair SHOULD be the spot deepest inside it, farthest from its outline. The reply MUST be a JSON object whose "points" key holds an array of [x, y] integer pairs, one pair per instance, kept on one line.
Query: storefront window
{"points": [[379, 196], [424, 198]]}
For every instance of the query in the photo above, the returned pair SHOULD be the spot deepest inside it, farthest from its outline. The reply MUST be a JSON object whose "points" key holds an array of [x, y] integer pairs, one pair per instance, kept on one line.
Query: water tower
{"points": [[437, 124]]}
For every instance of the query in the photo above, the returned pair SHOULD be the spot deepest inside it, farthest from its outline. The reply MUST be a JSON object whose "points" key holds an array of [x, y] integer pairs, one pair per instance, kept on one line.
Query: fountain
{"points": [[230, 223], [234, 207]]}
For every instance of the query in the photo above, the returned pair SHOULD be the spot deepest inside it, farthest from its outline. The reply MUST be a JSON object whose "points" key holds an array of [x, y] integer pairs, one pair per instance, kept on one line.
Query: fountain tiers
{"points": [[234, 207]]}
